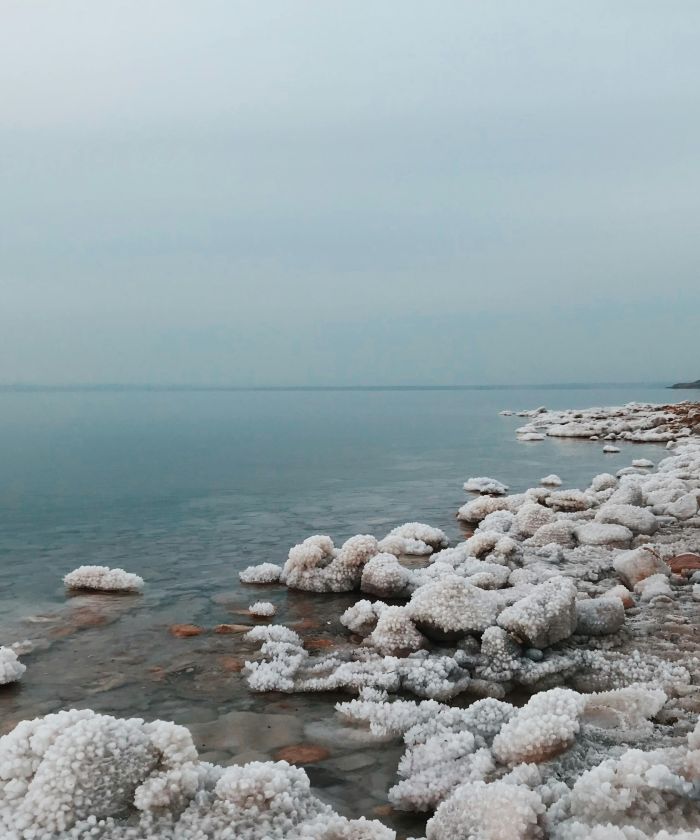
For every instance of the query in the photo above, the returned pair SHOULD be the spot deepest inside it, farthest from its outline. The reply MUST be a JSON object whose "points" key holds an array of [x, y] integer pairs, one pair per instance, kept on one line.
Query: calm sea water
{"points": [[187, 488]]}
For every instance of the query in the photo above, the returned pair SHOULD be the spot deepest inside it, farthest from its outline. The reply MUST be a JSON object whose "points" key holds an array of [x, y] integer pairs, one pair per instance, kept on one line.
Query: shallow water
{"points": [[186, 489]]}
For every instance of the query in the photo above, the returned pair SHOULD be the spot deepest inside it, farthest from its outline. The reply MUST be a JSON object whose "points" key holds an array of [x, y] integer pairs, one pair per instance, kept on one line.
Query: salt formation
{"points": [[551, 480], [262, 573], [78, 774], [317, 566], [11, 669], [487, 486], [264, 609], [103, 579]]}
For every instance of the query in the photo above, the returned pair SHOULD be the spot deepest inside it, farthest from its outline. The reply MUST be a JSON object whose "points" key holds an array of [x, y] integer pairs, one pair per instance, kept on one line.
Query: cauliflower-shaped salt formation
{"points": [[531, 517], [11, 669], [544, 727], [264, 609], [262, 573], [385, 577], [362, 616], [418, 532], [544, 617], [103, 579], [395, 633], [480, 811], [487, 486], [452, 607], [478, 509], [316, 565]]}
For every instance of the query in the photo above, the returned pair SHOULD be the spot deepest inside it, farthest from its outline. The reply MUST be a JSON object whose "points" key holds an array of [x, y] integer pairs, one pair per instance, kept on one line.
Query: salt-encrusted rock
{"points": [[597, 533], [264, 609], [316, 565], [531, 517], [599, 616], [362, 616], [654, 586], [262, 573], [544, 727], [603, 481], [633, 566], [551, 480], [395, 633], [415, 536], [639, 520], [560, 532], [622, 593], [11, 669], [530, 436], [451, 607], [684, 508], [385, 577], [628, 493], [496, 811], [544, 617], [644, 463], [568, 500], [487, 486], [103, 579], [610, 449], [500, 521], [478, 509]]}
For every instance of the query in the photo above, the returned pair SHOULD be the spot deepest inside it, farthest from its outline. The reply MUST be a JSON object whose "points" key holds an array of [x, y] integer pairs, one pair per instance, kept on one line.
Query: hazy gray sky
{"points": [[381, 191]]}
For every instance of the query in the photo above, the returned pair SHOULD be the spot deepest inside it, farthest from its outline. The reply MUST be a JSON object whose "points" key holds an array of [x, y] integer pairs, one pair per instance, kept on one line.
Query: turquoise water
{"points": [[186, 488]]}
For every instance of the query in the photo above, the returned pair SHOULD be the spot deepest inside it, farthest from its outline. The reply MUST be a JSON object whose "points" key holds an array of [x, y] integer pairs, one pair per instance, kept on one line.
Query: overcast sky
{"points": [[367, 191]]}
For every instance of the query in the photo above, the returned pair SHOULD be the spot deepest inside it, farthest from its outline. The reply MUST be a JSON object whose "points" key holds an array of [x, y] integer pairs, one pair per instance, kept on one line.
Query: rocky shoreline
{"points": [[539, 679]]}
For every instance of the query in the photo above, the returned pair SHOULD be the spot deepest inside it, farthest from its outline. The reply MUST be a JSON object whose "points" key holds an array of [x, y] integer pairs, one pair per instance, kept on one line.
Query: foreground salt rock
{"points": [[11, 669], [103, 579], [262, 609], [562, 762], [262, 573], [78, 774], [634, 566]]}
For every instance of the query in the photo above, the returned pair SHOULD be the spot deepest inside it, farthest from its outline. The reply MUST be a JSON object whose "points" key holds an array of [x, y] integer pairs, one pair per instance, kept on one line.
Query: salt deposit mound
{"points": [[77, 775], [103, 579], [11, 669]]}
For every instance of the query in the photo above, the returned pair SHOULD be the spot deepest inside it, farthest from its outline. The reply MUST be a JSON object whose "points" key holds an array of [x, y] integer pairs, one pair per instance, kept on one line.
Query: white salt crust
{"points": [[103, 579]]}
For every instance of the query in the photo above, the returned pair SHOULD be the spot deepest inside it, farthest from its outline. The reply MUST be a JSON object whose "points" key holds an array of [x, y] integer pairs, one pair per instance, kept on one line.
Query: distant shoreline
{"points": [[688, 385]]}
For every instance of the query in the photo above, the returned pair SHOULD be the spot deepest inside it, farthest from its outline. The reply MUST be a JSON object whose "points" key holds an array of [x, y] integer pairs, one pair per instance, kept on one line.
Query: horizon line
{"points": [[28, 387]]}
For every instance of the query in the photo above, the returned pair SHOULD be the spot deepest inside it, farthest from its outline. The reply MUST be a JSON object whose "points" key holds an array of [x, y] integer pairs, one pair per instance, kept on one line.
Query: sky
{"points": [[366, 192]]}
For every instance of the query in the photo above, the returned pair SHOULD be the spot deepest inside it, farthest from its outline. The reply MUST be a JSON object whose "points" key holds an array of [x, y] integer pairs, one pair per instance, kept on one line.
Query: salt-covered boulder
{"points": [[568, 501], [654, 586], [546, 726], [451, 607], [622, 593], [262, 609], [603, 481], [551, 480], [531, 517], [385, 577], [684, 508], [414, 538], [628, 493], [496, 811], [609, 449], [262, 573], [11, 669], [560, 532], [395, 633], [315, 565], [545, 616], [478, 509], [599, 616], [633, 566], [597, 533], [643, 463], [362, 616], [639, 520], [103, 579], [487, 486]]}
